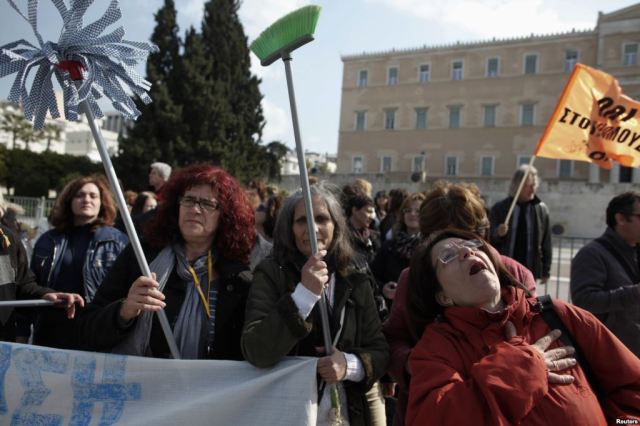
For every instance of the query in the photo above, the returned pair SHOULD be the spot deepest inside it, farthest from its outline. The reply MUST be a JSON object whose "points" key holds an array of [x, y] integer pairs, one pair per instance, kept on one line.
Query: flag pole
{"points": [[517, 194]]}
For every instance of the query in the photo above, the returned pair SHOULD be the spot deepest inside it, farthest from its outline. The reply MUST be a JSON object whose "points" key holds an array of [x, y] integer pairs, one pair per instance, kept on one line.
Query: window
{"points": [[454, 117], [565, 168], [630, 54], [456, 70], [392, 76], [418, 163], [490, 115], [421, 118], [390, 119], [451, 166], [530, 64], [363, 78], [423, 73], [492, 67], [486, 166], [361, 120], [570, 60], [523, 159], [356, 165], [527, 112], [385, 164]]}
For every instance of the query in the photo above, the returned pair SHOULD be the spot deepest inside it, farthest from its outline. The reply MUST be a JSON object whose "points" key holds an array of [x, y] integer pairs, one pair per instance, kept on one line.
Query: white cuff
{"points": [[305, 300], [355, 370]]}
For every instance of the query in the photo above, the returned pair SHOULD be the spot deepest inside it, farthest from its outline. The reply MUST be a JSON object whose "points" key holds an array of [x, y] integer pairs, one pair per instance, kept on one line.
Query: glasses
{"points": [[451, 251], [410, 210], [202, 203]]}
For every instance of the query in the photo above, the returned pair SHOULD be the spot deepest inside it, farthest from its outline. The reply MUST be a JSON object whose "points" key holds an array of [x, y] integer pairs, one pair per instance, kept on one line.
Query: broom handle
{"points": [[126, 217], [306, 194]]}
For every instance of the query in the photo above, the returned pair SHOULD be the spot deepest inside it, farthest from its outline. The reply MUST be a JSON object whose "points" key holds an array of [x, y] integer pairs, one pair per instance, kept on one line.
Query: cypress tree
{"points": [[158, 133], [221, 98]]}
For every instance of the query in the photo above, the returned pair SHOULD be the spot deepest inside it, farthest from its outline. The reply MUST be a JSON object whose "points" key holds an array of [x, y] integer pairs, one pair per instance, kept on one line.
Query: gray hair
{"points": [[340, 253], [519, 174], [163, 169]]}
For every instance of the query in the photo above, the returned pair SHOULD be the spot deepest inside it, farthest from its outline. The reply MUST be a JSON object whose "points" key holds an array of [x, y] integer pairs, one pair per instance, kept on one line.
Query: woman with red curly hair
{"points": [[198, 245]]}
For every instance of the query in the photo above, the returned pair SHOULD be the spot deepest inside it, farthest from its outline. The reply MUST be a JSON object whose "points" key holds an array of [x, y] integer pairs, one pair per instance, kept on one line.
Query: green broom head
{"points": [[286, 34]]}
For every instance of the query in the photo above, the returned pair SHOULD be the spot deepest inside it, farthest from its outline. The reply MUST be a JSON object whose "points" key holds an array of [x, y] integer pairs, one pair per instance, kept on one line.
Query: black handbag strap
{"points": [[552, 319], [607, 245]]}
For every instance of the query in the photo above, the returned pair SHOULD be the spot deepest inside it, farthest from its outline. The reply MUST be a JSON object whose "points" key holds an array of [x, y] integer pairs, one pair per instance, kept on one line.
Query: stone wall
{"points": [[577, 207]]}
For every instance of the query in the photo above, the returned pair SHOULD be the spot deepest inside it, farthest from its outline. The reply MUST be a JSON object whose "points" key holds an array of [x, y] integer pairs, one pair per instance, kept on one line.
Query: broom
{"points": [[278, 41]]}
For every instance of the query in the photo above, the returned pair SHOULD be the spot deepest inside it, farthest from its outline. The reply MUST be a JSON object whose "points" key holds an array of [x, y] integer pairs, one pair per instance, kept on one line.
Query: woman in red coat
{"points": [[487, 355]]}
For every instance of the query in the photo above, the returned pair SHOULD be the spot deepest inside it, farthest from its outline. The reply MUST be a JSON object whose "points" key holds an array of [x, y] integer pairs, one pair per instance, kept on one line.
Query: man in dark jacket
{"points": [[605, 274], [18, 282], [527, 236]]}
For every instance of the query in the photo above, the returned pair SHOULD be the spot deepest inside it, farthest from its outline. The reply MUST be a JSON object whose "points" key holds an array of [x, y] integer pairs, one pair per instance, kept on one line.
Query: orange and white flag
{"points": [[593, 121]]}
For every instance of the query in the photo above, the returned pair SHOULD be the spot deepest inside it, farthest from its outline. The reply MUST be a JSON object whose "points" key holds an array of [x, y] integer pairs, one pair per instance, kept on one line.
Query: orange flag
{"points": [[593, 121]]}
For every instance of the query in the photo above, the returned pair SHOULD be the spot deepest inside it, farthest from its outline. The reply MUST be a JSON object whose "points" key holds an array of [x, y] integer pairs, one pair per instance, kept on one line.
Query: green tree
{"points": [[15, 124], [220, 97], [51, 132], [157, 134]]}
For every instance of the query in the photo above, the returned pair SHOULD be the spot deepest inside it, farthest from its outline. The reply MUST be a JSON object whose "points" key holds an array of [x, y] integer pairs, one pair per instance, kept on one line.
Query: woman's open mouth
{"points": [[477, 267]]}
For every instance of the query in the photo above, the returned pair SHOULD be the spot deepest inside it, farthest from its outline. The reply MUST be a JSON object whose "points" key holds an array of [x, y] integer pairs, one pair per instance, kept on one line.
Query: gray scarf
{"points": [[190, 330]]}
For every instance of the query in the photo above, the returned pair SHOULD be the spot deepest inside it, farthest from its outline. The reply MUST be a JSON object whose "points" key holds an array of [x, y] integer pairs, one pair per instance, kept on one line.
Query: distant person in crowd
{"points": [[159, 174], [527, 236], [18, 282], [75, 255], [363, 186], [272, 209], [381, 201], [360, 214], [447, 205], [395, 254], [198, 246], [256, 193], [605, 275], [486, 354], [396, 198], [130, 198], [145, 201], [283, 317]]}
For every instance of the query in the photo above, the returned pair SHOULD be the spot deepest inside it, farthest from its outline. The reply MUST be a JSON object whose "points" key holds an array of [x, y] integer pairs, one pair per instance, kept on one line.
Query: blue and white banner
{"points": [[42, 386]]}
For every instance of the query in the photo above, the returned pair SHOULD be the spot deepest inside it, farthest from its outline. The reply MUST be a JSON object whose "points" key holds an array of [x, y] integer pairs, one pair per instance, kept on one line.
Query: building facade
{"points": [[478, 109]]}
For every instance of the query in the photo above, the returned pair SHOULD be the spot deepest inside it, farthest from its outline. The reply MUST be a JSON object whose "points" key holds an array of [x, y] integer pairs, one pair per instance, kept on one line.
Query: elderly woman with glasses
{"points": [[198, 247], [486, 348]]}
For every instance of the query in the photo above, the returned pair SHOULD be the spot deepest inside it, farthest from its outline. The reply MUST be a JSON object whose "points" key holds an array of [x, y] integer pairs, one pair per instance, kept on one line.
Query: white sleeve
{"points": [[304, 299], [355, 370]]}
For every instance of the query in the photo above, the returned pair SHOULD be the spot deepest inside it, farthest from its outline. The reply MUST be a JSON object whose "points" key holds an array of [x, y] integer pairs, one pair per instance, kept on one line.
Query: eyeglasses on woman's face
{"points": [[411, 210], [202, 203], [451, 251]]}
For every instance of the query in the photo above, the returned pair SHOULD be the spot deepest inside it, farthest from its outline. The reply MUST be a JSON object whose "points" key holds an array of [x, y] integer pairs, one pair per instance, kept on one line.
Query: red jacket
{"points": [[401, 341], [463, 369]]}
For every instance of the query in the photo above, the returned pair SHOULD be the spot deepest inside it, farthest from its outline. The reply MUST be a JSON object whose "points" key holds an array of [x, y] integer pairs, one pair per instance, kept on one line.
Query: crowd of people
{"points": [[432, 297]]}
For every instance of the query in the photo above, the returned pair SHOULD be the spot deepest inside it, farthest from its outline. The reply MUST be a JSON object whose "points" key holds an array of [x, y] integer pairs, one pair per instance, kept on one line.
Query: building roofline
{"points": [[467, 44]]}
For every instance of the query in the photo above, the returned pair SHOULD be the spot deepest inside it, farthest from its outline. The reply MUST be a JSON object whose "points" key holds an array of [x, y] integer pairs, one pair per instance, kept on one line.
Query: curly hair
{"points": [[62, 215], [423, 281], [236, 231], [453, 205]]}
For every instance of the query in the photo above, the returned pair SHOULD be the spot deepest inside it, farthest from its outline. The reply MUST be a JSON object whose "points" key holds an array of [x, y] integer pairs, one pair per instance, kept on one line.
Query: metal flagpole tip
{"points": [[108, 61]]}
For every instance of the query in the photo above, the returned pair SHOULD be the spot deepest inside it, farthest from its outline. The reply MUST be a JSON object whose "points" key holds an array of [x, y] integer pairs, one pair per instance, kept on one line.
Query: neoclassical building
{"points": [[476, 109]]}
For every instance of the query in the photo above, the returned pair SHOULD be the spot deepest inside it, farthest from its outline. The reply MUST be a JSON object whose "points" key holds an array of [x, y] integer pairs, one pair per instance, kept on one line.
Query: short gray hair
{"points": [[163, 169], [519, 174], [340, 253]]}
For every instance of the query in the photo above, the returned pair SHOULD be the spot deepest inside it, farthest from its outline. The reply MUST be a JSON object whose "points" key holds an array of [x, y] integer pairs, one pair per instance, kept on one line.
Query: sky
{"points": [[345, 27]]}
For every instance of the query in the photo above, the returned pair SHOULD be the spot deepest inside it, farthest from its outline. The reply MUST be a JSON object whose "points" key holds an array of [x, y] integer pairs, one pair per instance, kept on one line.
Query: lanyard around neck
{"points": [[196, 280]]}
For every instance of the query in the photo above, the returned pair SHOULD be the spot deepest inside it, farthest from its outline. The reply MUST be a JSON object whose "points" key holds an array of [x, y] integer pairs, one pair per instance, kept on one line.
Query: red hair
{"points": [[236, 231]]}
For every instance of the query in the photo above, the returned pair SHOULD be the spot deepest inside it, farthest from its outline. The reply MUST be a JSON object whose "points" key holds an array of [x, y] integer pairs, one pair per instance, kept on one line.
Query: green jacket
{"points": [[273, 328]]}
